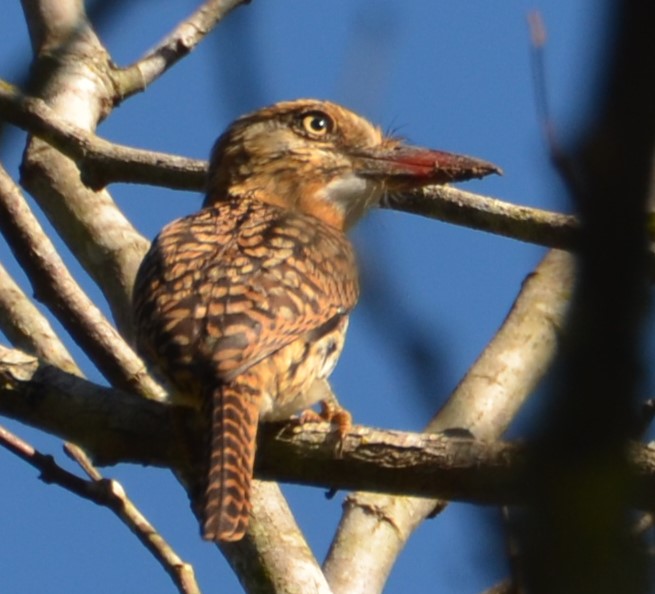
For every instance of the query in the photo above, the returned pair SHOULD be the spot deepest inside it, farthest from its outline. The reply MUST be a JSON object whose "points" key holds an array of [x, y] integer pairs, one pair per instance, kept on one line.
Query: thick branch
{"points": [[286, 563], [484, 403], [116, 427], [71, 72]]}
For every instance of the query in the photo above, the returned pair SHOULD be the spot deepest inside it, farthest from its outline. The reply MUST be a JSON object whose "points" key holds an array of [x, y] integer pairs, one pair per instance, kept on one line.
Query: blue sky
{"points": [[451, 75]]}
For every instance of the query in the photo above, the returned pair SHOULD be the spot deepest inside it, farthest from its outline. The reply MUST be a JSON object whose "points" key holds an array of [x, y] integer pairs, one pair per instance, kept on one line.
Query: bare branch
{"points": [[106, 422], [27, 328], [101, 161], [181, 41], [483, 213], [484, 403], [72, 73], [109, 494], [117, 427], [55, 286], [274, 549]]}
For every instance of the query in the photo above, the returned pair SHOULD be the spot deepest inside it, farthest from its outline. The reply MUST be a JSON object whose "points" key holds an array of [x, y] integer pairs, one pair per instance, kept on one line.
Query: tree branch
{"points": [[286, 563], [71, 72], [109, 494], [29, 330], [56, 287], [116, 427], [103, 162], [484, 213], [181, 41], [484, 403]]}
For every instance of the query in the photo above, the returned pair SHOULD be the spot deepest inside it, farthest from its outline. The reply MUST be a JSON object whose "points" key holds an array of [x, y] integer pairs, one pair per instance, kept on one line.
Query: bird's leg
{"points": [[336, 414], [331, 410]]}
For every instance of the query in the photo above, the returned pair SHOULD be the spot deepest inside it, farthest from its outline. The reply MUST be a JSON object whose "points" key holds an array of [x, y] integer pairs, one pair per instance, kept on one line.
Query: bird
{"points": [[243, 306]]}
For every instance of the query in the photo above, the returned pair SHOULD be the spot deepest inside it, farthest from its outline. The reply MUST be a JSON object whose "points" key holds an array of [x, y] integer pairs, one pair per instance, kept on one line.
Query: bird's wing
{"points": [[239, 281]]}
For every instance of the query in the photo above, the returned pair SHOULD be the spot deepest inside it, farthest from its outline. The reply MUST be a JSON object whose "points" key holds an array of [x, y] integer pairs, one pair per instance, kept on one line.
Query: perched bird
{"points": [[244, 305]]}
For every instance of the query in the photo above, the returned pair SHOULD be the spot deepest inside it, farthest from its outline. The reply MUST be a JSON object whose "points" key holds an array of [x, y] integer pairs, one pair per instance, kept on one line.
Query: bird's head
{"points": [[324, 160]]}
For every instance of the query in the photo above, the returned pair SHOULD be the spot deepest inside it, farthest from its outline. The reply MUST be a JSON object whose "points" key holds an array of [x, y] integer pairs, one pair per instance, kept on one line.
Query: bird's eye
{"points": [[317, 124]]}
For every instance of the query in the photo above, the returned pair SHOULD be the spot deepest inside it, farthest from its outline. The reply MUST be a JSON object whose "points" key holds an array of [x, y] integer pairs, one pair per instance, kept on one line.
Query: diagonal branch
{"points": [[182, 40], [55, 286], [109, 494], [484, 403], [28, 329], [71, 73]]}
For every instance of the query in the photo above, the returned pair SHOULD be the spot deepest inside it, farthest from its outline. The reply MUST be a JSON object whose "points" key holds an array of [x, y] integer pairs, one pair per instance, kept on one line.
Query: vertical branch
{"points": [[72, 73], [274, 556]]}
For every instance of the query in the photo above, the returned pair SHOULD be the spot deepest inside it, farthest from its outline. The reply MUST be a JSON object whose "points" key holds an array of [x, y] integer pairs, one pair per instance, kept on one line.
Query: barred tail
{"points": [[234, 416]]}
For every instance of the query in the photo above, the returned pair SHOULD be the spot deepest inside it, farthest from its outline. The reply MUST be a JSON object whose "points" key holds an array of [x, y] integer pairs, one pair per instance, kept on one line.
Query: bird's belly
{"points": [[290, 375]]}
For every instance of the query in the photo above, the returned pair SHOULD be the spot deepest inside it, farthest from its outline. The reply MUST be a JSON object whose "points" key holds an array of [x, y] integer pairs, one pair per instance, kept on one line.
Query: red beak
{"points": [[407, 167]]}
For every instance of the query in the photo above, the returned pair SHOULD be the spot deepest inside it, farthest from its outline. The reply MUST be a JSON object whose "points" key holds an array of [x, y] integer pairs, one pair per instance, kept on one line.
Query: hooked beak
{"points": [[404, 167]]}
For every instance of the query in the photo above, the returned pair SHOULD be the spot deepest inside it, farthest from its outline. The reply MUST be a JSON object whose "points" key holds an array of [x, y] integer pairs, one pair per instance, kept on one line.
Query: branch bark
{"points": [[102, 162], [26, 328], [484, 403], [71, 73], [116, 427], [177, 44], [56, 287], [109, 494]]}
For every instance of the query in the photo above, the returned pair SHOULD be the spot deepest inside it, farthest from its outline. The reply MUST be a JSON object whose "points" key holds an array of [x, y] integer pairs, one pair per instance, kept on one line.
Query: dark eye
{"points": [[317, 124]]}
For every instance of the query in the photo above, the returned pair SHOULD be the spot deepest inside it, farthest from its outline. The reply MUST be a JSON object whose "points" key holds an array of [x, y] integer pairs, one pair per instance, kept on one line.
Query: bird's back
{"points": [[226, 287]]}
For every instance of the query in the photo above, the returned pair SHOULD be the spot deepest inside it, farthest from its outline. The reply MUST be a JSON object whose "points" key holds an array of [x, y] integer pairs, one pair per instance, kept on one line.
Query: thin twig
{"points": [[182, 40], [78, 455], [109, 494], [56, 287]]}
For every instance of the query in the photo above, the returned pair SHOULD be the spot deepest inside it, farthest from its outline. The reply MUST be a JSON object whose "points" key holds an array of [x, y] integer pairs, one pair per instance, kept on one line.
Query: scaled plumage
{"points": [[244, 305]]}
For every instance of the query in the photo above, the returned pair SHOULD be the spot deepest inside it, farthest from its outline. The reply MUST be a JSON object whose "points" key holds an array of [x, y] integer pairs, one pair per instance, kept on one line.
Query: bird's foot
{"points": [[337, 416]]}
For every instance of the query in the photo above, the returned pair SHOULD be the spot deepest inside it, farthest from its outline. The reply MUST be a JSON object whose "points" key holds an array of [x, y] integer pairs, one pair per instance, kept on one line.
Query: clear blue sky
{"points": [[447, 74]]}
